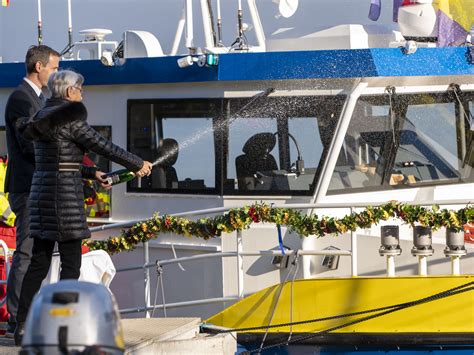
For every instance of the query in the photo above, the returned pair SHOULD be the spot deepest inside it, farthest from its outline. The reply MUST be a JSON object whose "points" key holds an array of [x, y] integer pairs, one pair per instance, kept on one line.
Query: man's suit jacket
{"points": [[22, 103]]}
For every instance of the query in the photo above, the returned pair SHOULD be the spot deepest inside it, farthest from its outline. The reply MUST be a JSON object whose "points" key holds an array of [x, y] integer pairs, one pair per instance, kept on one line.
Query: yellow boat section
{"points": [[318, 298]]}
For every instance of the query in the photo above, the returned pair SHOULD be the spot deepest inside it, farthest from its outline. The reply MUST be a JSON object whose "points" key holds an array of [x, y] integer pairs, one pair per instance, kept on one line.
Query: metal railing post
{"points": [[390, 265], [146, 271], [455, 265], [422, 265], [240, 266], [353, 252]]}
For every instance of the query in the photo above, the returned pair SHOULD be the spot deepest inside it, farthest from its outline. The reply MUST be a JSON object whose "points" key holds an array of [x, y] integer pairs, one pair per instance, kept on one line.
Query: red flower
{"points": [[253, 214], [167, 222]]}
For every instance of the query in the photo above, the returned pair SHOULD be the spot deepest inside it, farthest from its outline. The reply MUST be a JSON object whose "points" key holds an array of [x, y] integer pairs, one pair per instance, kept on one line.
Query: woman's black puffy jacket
{"points": [[61, 135]]}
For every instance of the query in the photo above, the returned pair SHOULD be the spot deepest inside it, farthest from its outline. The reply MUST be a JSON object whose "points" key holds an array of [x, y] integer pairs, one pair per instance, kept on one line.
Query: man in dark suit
{"points": [[25, 101]]}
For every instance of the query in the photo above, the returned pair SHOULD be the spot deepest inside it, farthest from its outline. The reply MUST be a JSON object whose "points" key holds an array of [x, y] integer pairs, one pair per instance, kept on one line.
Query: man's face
{"points": [[46, 70]]}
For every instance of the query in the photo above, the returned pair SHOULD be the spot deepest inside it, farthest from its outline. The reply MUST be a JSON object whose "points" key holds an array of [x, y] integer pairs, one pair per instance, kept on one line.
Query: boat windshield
{"points": [[406, 140], [278, 144]]}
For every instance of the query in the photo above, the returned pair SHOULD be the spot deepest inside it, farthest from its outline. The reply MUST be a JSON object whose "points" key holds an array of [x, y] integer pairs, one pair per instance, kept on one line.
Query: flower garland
{"points": [[305, 225]]}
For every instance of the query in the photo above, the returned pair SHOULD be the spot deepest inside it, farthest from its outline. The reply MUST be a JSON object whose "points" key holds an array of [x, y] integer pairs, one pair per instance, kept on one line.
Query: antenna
{"points": [[40, 25], [240, 41], [69, 19], [239, 19], [219, 25], [211, 20], [69, 30], [189, 26]]}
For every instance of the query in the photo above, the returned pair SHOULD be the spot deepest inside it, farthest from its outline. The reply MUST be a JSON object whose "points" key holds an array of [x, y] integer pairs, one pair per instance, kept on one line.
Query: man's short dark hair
{"points": [[37, 54]]}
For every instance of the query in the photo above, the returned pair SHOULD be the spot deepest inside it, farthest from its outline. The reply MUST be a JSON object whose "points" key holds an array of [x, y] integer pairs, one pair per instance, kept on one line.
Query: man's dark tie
{"points": [[42, 98]]}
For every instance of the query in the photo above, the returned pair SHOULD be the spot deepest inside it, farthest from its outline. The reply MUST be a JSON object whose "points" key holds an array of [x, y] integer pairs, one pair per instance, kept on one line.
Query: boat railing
{"points": [[239, 253]]}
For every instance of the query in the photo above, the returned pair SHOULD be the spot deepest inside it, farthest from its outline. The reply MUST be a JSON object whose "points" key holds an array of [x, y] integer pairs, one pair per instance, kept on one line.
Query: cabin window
{"points": [[241, 146], [179, 136], [276, 146], [405, 141]]}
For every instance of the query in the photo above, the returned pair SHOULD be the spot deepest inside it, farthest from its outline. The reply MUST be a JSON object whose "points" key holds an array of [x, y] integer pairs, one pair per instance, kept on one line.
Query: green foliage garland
{"points": [[304, 225]]}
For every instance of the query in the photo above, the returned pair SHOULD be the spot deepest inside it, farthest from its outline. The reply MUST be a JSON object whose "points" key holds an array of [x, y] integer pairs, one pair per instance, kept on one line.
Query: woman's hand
{"points": [[103, 182], [145, 170]]}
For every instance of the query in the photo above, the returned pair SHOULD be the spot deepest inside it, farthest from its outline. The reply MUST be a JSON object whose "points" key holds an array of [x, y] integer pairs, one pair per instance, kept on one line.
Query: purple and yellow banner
{"points": [[454, 18]]}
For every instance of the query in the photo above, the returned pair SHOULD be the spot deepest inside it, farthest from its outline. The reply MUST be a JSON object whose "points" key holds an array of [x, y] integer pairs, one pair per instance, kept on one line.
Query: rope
{"points": [[159, 282], [275, 306], [447, 293], [295, 261]]}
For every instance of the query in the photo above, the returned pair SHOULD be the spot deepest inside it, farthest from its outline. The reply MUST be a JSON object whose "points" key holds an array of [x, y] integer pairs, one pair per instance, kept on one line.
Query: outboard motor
{"points": [[73, 317]]}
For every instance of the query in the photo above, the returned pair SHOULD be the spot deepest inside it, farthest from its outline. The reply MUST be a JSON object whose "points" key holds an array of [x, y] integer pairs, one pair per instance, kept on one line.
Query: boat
{"points": [[318, 112]]}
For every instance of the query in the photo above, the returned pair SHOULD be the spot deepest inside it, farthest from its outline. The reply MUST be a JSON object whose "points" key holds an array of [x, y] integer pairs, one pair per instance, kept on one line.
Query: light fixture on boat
{"points": [[390, 247], [390, 240], [281, 261], [422, 241], [410, 47], [454, 243], [110, 58], [185, 61], [107, 58], [422, 247], [455, 248], [331, 261], [202, 60]]}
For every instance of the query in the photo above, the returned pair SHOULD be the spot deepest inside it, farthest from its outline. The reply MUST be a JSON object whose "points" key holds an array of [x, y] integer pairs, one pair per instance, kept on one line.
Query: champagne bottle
{"points": [[119, 176]]}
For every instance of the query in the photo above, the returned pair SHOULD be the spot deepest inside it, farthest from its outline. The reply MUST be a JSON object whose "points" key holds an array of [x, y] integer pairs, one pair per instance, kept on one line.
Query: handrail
{"points": [[233, 254], [290, 206], [180, 304]]}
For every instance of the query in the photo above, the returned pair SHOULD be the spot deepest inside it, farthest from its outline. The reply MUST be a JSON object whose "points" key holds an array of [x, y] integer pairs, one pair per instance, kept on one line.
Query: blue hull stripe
{"points": [[377, 62]]}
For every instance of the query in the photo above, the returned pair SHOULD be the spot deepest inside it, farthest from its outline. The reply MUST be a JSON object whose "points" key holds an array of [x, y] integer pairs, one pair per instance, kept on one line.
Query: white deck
{"points": [[156, 335]]}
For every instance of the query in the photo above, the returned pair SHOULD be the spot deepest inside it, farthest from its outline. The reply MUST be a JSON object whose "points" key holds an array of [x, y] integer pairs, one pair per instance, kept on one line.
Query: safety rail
{"points": [[7, 268], [240, 253]]}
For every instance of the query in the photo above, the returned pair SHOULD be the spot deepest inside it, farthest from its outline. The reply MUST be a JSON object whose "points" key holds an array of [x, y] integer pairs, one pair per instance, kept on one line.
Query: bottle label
{"points": [[113, 179]]}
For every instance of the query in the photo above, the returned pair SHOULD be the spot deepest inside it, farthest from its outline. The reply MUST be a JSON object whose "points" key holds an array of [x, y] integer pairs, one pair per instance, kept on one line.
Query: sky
{"points": [[18, 22]]}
